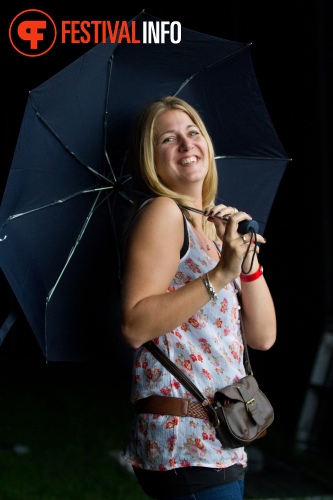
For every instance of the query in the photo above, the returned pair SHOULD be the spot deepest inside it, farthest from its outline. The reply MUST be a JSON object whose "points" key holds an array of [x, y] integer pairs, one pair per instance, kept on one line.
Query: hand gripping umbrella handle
{"points": [[245, 226]]}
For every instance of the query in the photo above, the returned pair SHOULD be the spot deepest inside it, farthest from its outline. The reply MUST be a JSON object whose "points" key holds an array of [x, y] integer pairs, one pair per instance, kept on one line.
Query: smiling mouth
{"points": [[192, 159]]}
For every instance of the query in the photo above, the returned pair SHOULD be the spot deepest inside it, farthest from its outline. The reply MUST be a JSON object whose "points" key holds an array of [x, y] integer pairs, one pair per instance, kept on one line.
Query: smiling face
{"points": [[181, 152]]}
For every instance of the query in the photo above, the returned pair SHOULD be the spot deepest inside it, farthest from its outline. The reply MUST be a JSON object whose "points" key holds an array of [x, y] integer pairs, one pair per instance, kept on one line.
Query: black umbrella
{"points": [[68, 190]]}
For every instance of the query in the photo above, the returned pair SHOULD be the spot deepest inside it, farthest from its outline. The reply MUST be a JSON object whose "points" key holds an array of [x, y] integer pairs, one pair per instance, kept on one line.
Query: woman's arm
{"points": [[258, 311], [151, 261]]}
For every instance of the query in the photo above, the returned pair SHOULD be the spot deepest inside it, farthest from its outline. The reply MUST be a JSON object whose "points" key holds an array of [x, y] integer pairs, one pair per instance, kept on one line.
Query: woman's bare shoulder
{"points": [[161, 208], [158, 221]]}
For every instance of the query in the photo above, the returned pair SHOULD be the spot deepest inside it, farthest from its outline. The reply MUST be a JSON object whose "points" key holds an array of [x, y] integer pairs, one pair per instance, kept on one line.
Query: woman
{"points": [[180, 269]]}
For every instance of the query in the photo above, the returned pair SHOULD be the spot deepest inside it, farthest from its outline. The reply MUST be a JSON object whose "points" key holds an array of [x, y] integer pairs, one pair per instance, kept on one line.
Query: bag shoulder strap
{"points": [[180, 376], [247, 364], [186, 238], [173, 368]]}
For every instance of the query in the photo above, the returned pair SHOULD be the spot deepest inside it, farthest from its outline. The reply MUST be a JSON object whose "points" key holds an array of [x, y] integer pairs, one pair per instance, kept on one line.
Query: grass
{"points": [[70, 420]]}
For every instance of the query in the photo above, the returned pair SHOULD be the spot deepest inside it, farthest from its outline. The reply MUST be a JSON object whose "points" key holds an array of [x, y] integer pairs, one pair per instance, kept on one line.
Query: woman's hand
{"points": [[235, 246], [219, 215]]}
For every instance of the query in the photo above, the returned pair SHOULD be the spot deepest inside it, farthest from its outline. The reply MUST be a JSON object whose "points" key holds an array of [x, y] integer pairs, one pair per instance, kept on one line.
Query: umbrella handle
{"points": [[246, 226]]}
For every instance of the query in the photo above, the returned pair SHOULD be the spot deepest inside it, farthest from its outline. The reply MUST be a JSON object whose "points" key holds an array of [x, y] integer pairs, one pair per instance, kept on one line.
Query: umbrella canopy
{"points": [[69, 189]]}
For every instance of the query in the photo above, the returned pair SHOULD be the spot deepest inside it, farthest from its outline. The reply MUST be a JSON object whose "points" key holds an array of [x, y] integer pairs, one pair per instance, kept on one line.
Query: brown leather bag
{"points": [[243, 411]]}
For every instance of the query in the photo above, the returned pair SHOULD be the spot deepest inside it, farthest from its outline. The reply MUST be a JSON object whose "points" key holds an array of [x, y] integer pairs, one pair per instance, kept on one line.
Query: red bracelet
{"points": [[253, 276]]}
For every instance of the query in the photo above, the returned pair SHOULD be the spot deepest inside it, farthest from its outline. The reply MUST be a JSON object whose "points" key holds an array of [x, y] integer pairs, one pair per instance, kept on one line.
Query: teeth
{"points": [[192, 159]]}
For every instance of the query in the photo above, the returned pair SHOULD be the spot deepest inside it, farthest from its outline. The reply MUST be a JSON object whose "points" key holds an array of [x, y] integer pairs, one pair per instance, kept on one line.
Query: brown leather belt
{"points": [[161, 405]]}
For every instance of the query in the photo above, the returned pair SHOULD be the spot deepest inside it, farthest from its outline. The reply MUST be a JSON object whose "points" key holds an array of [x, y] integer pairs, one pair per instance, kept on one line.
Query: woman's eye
{"points": [[168, 139]]}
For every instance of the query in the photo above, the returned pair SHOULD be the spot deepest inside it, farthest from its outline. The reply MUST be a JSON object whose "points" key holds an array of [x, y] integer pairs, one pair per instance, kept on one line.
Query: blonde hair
{"points": [[142, 157]]}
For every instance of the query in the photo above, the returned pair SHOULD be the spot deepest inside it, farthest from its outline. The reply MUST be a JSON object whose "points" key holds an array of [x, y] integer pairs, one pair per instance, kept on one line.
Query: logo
{"points": [[32, 33]]}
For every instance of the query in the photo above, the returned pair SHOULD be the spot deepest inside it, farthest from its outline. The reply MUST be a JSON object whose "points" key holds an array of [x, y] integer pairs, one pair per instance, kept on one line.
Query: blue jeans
{"points": [[228, 491]]}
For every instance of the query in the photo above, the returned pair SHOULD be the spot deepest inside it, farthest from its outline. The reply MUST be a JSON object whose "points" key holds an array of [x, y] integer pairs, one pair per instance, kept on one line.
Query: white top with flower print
{"points": [[208, 348]]}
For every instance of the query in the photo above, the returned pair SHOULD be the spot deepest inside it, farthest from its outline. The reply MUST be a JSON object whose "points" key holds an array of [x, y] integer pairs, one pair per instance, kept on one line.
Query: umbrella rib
{"points": [[62, 200], [92, 170], [252, 158], [105, 123], [94, 207], [71, 253], [224, 58]]}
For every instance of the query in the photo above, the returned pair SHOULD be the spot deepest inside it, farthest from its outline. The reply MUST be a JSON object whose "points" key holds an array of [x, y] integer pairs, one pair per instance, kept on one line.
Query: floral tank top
{"points": [[208, 348]]}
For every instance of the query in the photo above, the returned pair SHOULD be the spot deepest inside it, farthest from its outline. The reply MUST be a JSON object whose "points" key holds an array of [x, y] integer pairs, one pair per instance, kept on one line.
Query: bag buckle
{"points": [[248, 403], [216, 420]]}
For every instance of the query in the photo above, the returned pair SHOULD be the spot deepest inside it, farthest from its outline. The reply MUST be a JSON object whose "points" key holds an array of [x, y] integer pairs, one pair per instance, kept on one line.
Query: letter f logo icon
{"points": [[30, 31]]}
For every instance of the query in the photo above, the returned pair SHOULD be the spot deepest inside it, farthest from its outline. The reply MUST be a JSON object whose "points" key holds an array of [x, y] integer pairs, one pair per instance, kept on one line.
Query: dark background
{"points": [[291, 51]]}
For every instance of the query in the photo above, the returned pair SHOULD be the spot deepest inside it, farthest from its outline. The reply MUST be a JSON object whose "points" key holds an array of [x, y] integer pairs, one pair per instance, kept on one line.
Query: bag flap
{"points": [[243, 390]]}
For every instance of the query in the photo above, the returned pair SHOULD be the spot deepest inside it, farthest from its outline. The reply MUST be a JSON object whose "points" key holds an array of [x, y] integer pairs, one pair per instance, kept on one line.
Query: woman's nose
{"points": [[185, 144]]}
